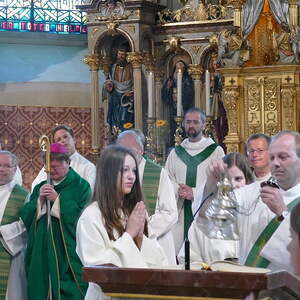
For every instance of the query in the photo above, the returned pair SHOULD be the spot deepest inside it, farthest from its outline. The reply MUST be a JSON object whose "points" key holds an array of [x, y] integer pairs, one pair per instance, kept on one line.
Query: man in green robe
{"points": [[12, 233], [53, 268]]}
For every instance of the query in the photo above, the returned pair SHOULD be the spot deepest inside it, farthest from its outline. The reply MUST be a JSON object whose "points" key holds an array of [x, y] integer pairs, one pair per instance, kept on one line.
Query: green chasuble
{"points": [[254, 259], [192, 163], [51, 252], [150, 183], [11, 214]]}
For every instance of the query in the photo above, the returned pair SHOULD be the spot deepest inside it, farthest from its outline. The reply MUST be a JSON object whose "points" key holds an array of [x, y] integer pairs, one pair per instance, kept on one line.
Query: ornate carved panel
{"points": [[262, 104], [22, 126]]}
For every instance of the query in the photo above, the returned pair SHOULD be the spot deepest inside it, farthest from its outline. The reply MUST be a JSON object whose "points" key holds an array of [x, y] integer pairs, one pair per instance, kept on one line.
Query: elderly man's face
{"points": [[7, 169]]}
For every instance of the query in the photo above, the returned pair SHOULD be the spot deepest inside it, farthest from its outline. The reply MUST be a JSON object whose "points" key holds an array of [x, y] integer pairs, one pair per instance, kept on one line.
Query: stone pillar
{"points": [[94, 62], [136, 59], [196, 71]]}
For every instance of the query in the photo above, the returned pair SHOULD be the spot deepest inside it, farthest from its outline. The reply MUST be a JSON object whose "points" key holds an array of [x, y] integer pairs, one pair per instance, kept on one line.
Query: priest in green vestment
{"points": [[186, 166], [53, 268], [12, 231]]}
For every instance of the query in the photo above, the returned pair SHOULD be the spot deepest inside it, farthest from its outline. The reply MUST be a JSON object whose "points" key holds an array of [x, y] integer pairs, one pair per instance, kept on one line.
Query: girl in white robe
{"points": [[208, 250], [113, 228]]}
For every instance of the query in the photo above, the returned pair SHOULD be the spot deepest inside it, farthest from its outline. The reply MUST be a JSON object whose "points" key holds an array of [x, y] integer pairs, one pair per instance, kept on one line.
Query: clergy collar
{"points": [[196, 145]]}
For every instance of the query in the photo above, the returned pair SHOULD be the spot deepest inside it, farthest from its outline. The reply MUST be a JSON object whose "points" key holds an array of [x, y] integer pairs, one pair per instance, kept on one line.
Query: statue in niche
{"points": [[284, 44], [232, 49], [169, 94], [118, 88], [217, 109]]}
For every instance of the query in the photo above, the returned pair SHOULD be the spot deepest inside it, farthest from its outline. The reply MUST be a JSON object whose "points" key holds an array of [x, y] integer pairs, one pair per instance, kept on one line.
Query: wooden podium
{"points": [[181, 284]]}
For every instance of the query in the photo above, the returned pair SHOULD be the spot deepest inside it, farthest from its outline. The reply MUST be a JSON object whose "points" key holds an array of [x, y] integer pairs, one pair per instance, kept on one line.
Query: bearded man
{"points": [[186, 165], [118, 88]]}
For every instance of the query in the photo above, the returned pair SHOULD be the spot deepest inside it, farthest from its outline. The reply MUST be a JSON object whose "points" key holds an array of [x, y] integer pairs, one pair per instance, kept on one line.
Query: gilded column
{"points": [[196, 71], [94, 62], [237, 5], [293, 9], [231, 103], [289, 106], [136, 59]]}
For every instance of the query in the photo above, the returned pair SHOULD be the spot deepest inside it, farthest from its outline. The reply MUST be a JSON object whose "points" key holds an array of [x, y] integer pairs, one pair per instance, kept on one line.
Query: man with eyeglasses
{"points": [[186, 165], [263, 214], [52, 265], [12, 234], [18, 174], [257, 146]]}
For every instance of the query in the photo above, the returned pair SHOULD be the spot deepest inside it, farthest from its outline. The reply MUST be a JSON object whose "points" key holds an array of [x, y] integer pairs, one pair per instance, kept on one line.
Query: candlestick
{"points": [[179, 93], [207, 92], [150, 85]]}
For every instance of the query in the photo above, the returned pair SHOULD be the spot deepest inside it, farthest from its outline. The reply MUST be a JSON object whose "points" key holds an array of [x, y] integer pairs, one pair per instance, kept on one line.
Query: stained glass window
{"points": [[53, 16]]}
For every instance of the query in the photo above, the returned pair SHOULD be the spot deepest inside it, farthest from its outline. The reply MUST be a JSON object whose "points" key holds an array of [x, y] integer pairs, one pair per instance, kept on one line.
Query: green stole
{"points": [[192, 163], [150, 183], [11, 214], [51, 251], [254, 259]]}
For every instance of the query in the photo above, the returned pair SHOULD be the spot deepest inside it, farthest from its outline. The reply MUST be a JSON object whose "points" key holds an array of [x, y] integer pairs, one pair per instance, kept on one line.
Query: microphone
{"points": [[187, 261]]}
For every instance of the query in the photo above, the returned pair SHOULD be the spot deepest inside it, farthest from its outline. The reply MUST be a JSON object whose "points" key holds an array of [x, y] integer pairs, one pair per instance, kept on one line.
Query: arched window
{"points": [[52, 16]]}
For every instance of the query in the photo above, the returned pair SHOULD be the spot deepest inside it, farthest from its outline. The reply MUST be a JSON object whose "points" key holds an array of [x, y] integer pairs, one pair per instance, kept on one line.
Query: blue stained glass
{"points": [[59, 16]]}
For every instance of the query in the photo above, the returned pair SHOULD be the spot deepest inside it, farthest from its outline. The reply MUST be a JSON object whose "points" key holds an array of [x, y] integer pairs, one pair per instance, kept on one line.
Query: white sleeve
{"points": [[171, 170], [166, 214], [13, 237], [39, 178]]}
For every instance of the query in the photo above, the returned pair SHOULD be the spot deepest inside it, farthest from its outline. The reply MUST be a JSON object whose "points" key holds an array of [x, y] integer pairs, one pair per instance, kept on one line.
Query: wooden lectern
{"points": [[181, 284]]}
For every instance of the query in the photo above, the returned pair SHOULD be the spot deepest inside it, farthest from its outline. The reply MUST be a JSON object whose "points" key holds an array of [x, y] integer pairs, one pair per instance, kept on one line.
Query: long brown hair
{"points": [[112, 203]]}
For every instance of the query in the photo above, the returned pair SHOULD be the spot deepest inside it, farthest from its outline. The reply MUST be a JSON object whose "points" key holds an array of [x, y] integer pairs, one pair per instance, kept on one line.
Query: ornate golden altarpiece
{"points": [[260, 93], [155, 36]]}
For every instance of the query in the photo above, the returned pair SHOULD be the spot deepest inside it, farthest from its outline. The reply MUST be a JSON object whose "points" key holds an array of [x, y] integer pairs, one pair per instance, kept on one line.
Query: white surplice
{"points": [[95, 248], [13, 239], [177, 173], [250, 227], [165, 215], [207, 250], [85, 168]]}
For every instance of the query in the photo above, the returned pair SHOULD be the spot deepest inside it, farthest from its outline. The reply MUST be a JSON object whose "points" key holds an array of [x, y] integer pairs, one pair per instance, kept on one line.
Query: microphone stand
{"points": [[45, 147], [187, 261]]}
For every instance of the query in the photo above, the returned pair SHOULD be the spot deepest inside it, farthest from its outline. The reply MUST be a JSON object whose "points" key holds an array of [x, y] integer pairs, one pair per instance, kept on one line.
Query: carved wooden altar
{"points": [[201, 285]]}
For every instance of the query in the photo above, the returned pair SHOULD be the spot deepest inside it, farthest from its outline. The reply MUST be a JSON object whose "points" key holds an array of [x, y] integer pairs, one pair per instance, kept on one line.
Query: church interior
{"points": [[86, 71], [240, 64]]}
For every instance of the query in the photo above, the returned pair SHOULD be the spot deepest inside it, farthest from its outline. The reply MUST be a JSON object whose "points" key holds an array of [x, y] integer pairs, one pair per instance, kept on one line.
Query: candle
{"points": [[207, 92], [150, 85], [179, 93]]}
